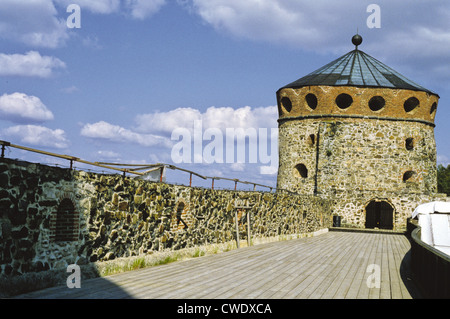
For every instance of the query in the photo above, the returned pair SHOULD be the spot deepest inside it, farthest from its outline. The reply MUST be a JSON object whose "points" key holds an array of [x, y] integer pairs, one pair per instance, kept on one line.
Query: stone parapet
{"points": [[52, 217]]}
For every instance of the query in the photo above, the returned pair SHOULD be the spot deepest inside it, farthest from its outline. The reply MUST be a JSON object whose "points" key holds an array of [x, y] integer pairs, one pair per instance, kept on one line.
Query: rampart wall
{"points": [[51, 217]]}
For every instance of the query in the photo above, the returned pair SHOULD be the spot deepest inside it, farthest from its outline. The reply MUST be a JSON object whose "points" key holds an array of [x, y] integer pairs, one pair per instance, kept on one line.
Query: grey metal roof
{"points": [[357, 68]]}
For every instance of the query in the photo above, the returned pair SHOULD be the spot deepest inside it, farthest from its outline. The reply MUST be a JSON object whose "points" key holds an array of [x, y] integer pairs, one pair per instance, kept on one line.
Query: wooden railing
{"points": [[138, 169], [431, 267]]}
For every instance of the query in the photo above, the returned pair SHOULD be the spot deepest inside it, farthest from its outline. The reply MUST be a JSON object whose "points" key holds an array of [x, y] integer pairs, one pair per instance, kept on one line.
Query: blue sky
{"points": [[115, 89]]}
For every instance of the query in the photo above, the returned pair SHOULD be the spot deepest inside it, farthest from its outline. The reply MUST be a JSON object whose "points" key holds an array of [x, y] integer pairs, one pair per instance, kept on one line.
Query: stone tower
{"points": [[360, 132]]}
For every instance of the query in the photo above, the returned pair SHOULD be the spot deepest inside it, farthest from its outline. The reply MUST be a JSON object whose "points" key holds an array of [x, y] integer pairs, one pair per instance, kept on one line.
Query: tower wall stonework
{"points": [[357, 145]]}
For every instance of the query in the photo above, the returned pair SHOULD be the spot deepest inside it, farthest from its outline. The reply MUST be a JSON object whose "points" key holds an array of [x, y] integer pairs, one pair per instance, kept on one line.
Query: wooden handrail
{"points": [[133, 168]]}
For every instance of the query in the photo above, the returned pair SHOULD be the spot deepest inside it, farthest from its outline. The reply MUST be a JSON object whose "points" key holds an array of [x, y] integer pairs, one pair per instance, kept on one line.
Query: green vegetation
{"points": [[443, 179]]}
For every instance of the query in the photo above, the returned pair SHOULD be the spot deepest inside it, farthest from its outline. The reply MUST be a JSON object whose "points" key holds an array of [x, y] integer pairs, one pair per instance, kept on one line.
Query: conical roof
{"points": [[357, 68]]}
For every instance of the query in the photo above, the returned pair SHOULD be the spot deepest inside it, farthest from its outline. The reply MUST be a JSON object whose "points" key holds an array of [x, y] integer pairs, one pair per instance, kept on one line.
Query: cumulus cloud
{"points": [[214, 117], [115, 133], [31, 64], [138, 9], [409, 29], [33, 22], [306, 23], [22, 108], [43, 23], [37, 135], [320, 25], [167, 121], [141, 9], [97, 6]]}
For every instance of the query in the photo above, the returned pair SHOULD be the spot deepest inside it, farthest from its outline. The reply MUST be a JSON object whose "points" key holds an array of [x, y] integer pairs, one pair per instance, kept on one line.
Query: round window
{"points": [[344, 101], [376, 103], [410, 104], [311, 100], [287, 104]]}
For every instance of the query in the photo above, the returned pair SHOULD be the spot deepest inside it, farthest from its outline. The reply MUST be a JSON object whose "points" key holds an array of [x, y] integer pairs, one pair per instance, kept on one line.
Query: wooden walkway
{"points": [[331, 265]]}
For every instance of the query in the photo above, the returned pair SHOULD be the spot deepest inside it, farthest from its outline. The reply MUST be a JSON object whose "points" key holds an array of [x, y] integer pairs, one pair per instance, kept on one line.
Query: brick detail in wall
{"points": [[181, 218], [64, 223]]}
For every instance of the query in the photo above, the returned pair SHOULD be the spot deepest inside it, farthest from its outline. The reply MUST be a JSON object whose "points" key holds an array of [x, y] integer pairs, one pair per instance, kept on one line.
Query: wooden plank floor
{"points": [[331, 265]]}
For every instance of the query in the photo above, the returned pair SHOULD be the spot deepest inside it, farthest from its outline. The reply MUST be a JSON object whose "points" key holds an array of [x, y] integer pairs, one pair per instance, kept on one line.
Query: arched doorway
{"points": [[379, 214]]}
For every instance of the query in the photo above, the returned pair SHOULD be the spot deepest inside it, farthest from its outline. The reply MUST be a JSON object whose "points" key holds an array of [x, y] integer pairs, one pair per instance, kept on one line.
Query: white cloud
{"points": [[409, 29], [311, 23], [114, 133], [138, 9], [268, 170], [141, 9], [36, 135], [38, 23], [108, 154], [22, 108], [29, 64], [33, 22], [167, 121], [443, 160], [213, 117], [97, 6]]}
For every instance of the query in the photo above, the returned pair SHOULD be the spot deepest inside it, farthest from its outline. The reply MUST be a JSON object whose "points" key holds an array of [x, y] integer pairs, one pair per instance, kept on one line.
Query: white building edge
{"points": [[434, 220]]}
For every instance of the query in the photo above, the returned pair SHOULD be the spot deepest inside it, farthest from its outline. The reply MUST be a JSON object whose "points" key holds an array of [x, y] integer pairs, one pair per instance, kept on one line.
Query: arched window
{"points": [[409, 176], [66, 225]]}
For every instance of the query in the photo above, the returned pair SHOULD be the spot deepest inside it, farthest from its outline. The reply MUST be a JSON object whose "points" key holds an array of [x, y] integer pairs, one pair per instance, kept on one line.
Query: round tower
{"points": [[357, 128]]}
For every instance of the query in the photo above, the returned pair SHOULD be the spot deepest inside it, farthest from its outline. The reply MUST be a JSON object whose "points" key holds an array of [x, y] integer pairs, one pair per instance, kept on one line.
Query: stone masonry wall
{"points": [[357, 146], [356, 154], [52, 217]]}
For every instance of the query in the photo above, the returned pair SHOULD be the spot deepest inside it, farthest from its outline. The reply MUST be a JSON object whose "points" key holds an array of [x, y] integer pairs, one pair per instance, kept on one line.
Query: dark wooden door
{"points": [[379, 215]]}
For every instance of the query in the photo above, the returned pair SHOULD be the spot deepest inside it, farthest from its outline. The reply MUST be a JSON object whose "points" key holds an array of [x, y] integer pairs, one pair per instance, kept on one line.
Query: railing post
{"points": [[237, 227], [249, 239], [161, 175]]}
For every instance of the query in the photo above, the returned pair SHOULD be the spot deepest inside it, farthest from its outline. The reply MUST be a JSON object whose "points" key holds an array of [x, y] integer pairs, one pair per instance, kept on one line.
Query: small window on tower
{"points": [[376, 103], [311, 139], [302, 170], [409, 143], [411, 104], [409, 176], [311, 100], [286, 103], [433, 108], [344, 101]]}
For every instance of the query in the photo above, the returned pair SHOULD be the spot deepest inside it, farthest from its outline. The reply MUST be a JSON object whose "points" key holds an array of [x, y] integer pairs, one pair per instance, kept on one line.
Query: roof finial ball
{"points": [[357, 40]]}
